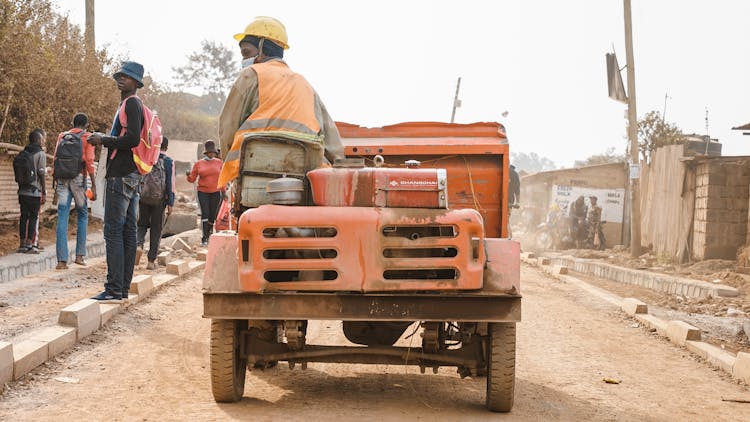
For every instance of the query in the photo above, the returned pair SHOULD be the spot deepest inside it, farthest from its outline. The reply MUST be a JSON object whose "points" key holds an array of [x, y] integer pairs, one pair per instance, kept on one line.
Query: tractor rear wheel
{"points": [[227, 366], [501, 366]]}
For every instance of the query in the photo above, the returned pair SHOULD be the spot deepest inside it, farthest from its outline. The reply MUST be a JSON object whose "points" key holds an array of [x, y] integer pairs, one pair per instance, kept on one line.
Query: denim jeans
{"points": [[120, 209], [64, 198]]}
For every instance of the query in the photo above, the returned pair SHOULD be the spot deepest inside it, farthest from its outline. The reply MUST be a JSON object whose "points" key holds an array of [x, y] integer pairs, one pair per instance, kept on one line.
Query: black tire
{"points": [[227, 367], [501, 366]]}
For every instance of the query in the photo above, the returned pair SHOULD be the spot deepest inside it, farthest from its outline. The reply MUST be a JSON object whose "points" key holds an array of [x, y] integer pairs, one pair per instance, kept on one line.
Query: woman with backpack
{"points": [[206, 171]]}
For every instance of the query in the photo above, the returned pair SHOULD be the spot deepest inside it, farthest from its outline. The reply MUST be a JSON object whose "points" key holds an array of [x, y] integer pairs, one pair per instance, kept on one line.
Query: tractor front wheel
{"points": [[227, 366]]}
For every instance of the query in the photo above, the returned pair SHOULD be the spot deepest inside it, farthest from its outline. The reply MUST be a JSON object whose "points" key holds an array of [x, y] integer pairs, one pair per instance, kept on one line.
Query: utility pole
{"points": [[456, 101], [635, 167], [88, 33]]}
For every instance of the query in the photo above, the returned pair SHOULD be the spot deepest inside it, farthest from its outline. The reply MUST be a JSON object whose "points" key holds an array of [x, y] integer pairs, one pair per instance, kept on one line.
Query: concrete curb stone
{"points": [[741, 368], [178, 267], [27, 355], [6, 363], [58, 337], [632, 306], [680, 331], [84, 315]]}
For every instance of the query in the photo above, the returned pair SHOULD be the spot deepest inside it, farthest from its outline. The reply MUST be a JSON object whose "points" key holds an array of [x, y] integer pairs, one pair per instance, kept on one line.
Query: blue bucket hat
{"points": [[131, 69]]}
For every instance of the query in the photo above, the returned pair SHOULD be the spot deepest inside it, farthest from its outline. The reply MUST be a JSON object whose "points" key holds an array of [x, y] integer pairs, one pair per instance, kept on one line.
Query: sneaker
{"points": [[62, 265], [152, 265], [79, 260], [105, 297], [32, 250], [22, 249], [41, 248], [204, 243]]}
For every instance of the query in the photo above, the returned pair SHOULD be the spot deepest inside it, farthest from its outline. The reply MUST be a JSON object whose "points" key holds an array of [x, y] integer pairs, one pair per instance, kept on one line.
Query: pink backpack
{"points": [[146, 153]]}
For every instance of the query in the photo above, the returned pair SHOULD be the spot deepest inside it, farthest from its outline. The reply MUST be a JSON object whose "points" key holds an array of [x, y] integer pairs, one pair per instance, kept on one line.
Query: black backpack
{"points": [[69, 156], [154, 184], [24, 169]]}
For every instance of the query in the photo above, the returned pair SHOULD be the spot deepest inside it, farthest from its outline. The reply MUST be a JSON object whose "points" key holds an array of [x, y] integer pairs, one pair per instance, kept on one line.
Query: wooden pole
{"points": [[456, 101], [635, 168], [88, 34]]}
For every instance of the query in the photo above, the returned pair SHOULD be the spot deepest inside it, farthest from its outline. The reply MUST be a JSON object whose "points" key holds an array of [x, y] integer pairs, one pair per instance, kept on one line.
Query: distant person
{"points": [[596, 234], [123, 180], [206, 172], [514, 193], [73, 160], [578, 211], [514, 186], [29, 169], [157, 195]]}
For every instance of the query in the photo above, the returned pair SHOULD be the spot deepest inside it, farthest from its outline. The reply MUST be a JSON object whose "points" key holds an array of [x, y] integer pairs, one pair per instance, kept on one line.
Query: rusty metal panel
{"points": [[503, 272], [221, 274], [360, 262], [358, 307]]}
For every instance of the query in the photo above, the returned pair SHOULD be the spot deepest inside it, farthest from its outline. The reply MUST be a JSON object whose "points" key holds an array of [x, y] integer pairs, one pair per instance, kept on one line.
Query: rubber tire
{"points": [[501, 366], [227, 368]]}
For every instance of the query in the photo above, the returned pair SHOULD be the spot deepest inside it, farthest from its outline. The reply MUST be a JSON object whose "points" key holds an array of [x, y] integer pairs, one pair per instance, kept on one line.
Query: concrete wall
{"points": [[721, 207], [607, 181]]}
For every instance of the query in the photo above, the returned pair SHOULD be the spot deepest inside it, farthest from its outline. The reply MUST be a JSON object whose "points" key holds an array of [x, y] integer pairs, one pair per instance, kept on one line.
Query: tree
{"points": [[212, 69], [609, 156], [47, 74], [531, 162], [654, 132]]}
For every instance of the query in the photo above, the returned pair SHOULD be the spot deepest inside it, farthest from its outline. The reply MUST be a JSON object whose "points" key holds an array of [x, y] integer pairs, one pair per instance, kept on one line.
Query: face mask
{"points": [[248, 62]]}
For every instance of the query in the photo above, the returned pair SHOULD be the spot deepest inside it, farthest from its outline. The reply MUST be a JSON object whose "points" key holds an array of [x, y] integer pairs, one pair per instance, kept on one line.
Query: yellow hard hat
{"points": [[268, 28]]}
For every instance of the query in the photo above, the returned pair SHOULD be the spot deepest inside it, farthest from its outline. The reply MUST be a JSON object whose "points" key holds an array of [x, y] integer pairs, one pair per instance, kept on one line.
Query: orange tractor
{"points": [[407, 234]]}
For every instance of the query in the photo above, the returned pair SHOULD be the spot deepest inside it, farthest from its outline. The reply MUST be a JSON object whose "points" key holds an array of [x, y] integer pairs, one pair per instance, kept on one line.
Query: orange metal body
{"points": [[476, 157], [361, 252], [378, 187]]}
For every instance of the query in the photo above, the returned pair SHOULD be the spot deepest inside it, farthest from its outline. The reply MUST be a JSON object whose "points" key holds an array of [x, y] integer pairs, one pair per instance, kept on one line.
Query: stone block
{"points": [[27, 355], [721, 359], [180, 244], [141, 285], [163, 258], [84, 315], [201, 254], [196, 265], [529, 255], [724, 291], [741, 368], [108, 310], [680, 331], [132, 300], [162, 279], [178, 267], [179, 222], [6, 363], [58, 337], [633, 306], [543, 261], [559, 269], [699, 348], [653, 322]]}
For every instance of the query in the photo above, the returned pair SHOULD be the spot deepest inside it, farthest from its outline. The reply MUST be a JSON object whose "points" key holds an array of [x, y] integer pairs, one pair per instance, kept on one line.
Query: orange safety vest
{"points": [[286, 106]]}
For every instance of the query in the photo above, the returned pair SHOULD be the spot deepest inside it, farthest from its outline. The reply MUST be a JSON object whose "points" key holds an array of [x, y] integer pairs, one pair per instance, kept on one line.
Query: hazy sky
{"points": [[382, 62]]}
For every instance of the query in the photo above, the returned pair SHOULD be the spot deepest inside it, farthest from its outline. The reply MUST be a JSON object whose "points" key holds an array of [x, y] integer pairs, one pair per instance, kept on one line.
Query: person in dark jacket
{"points": [[122, 185], [32, 196], [151, 217]]}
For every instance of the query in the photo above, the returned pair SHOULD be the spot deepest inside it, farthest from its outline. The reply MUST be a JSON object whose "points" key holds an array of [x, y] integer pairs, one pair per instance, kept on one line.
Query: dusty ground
{"points": [[722, 318], [151, 364]]}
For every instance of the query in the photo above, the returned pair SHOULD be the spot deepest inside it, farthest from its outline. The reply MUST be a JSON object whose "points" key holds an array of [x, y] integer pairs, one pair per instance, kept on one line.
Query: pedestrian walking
{"points": [[73, 161], [596, 234], [206, 172], [122, 184], [29, 169], [157, 196]]}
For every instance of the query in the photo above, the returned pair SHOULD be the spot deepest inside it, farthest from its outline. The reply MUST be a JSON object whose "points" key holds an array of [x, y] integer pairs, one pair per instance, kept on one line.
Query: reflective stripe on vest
{"points": [[286, 108]]}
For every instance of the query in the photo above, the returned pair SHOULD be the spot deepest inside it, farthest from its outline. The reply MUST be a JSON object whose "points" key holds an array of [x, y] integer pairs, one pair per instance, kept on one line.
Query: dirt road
{"points": [[151, 364]]}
